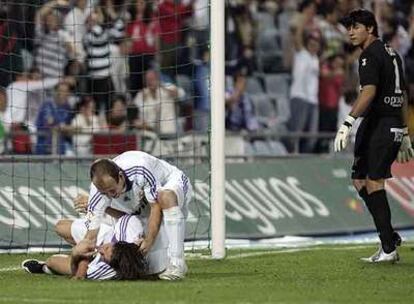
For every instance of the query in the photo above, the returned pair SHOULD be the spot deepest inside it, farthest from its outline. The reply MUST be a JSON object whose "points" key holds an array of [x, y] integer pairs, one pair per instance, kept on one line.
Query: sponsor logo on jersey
{"points": [[394, 101], [364, 61]]}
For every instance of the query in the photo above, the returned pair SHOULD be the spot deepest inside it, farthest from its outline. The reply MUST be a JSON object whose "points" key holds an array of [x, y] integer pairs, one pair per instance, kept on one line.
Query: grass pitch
{"points": [[328, 274]]}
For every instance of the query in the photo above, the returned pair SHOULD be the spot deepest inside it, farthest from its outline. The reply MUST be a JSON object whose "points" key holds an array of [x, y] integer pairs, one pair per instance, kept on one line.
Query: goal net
{"points": [[84, 79]]}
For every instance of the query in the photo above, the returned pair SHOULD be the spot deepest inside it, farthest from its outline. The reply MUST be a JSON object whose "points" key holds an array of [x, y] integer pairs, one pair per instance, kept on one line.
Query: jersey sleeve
{"points": [[99, 270], [97, 205], [148, 183], [403, 84], [369, 69], [128, 229]]}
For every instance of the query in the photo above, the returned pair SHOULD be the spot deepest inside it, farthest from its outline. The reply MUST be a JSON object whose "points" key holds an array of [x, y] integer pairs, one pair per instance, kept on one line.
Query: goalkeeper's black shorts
{"points": [[377, 142]]}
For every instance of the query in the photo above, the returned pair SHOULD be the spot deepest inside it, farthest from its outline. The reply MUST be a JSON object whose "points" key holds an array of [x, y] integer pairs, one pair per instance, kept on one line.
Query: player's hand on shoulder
{"points": [[406, 152], [342, 136]]}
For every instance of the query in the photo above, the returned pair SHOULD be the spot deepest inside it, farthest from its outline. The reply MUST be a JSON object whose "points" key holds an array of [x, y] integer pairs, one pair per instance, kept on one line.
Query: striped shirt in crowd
{"points": [[117, 31], [96, 42], [52, 53]]}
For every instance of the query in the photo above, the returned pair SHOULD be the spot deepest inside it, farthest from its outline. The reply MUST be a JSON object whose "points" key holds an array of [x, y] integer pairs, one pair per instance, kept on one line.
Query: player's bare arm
{"points": [[153, 226]]}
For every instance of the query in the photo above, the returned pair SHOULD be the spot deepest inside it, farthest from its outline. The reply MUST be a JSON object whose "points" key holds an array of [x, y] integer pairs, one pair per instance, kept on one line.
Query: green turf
{"points": [[322, 275]]}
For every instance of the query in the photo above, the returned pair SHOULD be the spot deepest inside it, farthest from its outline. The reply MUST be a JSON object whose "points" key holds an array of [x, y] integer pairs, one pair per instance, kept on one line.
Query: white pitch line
{"points": [[7, 269], [39, 300], [270, 252]]}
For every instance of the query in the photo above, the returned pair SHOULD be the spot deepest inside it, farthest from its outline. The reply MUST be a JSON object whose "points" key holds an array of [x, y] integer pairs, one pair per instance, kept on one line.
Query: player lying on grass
{"points": [[115, 256]]}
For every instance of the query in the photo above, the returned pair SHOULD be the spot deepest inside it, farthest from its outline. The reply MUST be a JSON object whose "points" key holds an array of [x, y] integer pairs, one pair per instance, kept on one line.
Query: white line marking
{"points": [[197, 256], [10, 269], [38, 300]]}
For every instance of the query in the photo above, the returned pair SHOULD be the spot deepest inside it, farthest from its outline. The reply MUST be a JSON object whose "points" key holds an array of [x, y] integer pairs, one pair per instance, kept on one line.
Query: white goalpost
{"points": [[217, 129]]}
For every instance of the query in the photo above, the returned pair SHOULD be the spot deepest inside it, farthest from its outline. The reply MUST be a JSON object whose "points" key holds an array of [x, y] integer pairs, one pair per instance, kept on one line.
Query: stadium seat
{"points": [[264, 109], [253, 86], [269, 50], [277, 148], [261, 148], [277, 84], [113, 143]]}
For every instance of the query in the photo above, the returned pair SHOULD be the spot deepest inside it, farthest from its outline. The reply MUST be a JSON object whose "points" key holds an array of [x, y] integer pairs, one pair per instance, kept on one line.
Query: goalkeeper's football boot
{"points": [[396, 239], [381, 257], [33, 266], [174, 272]]}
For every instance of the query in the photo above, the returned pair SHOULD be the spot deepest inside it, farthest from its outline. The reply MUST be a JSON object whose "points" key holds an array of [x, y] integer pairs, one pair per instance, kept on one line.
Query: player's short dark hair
{"points": [[128, 261], [361, 16], [105, 166]]}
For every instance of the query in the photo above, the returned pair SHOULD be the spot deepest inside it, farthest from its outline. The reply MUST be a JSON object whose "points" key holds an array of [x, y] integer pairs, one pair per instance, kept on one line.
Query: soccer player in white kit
{"points": [[137, 183], [124, 233]]}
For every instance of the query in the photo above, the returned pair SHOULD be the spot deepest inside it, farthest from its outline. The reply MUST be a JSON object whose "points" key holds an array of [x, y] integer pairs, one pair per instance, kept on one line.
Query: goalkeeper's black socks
{"points": [[377, 204]]}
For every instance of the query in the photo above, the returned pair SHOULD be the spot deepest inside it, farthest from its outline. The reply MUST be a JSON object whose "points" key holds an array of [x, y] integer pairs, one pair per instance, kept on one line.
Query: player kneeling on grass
{"points": [[116, 256], [155, 190]]}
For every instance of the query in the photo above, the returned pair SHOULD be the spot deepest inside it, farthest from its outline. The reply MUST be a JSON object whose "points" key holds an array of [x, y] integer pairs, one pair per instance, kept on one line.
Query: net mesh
{"points": [[93, 78]]}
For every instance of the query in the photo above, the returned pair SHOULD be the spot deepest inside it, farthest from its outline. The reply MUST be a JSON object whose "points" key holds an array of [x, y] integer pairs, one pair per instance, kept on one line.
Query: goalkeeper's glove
{"points": [[341, 138], [406, 151]]}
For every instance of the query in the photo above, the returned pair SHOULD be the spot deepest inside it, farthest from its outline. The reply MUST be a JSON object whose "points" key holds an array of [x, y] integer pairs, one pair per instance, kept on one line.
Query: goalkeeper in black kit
{"points": [[382, 135]]}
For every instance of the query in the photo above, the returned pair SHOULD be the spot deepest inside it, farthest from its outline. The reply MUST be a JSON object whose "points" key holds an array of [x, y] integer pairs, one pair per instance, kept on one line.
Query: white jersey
{"points": [[145, 176], [128, 229]]}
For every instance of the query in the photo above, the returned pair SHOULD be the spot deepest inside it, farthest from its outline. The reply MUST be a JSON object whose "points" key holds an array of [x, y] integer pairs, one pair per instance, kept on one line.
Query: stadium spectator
{"points": [[117, 115], [303, 24], [156, 191], [172, 15], [75, 25], [331, 82], [382, 135], [143, 32], [3, 105], [333, 33], [240, 38], [20, 115], [304, 93], [239, 107], [201, 113], [157, 105], [200, 27], [53, 121], [98, 61], [115, 16], [119, 67], [11, 61], [54, 45], [84, 125]]}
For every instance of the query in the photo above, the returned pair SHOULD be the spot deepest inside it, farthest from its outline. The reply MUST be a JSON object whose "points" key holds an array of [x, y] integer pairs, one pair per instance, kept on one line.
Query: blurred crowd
{"points": [[76, 68]]}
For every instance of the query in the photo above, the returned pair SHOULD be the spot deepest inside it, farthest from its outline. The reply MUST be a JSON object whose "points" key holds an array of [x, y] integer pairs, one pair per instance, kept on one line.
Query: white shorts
{"points": [[181, 185], [78, 231]]}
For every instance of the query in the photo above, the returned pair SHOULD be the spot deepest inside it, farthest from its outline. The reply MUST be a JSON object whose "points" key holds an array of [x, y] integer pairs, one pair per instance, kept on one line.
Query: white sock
{"points": [[174, 222], [47, 269]]}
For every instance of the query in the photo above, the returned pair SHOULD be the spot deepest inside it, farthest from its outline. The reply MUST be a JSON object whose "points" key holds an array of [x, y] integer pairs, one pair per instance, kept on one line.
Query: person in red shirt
{"points": [[171, 15], [331, 83], [143, 32]]}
